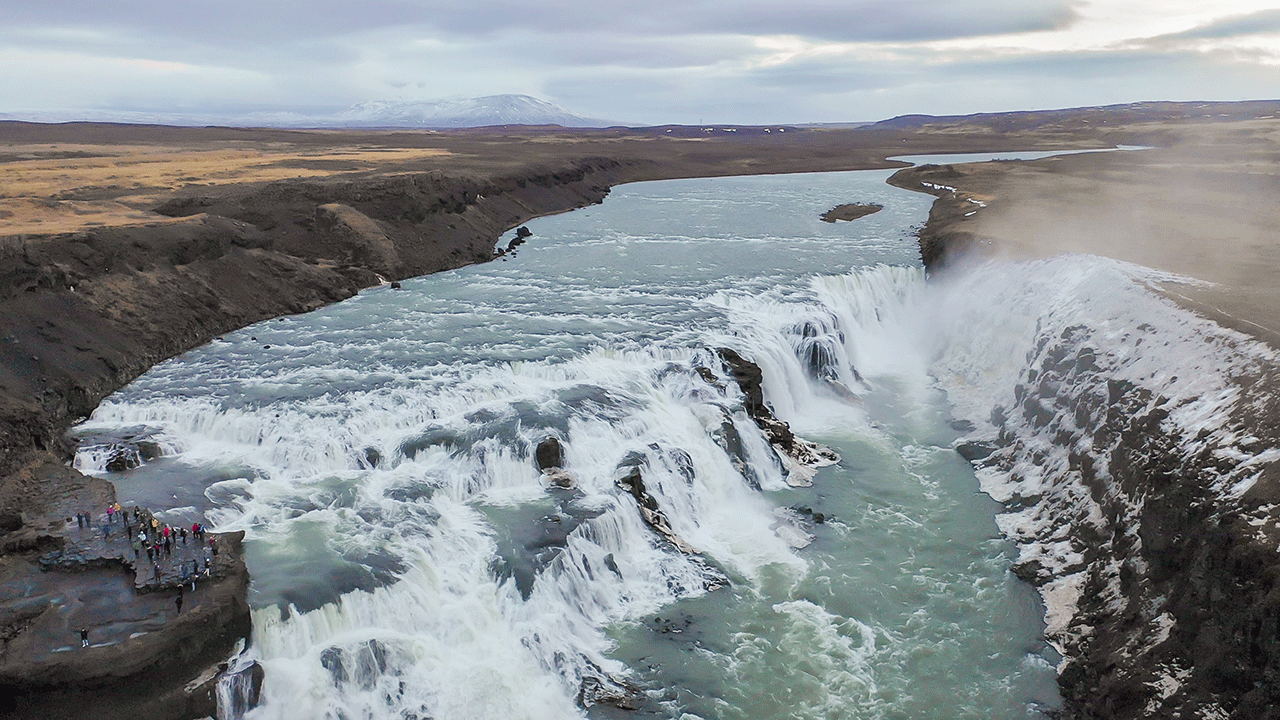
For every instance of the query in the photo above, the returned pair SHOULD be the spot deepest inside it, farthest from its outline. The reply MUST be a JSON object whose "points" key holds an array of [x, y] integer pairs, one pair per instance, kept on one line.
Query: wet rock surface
{"points": [[801, 456], [633, 482], [144, 651]]}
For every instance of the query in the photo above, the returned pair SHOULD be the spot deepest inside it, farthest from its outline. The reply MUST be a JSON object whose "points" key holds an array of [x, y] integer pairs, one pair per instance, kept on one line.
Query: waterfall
{"points": [[410, 559]]}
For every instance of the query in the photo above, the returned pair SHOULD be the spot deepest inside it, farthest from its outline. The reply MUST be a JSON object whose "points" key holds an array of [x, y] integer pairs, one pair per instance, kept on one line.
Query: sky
{"points": [[656, 62]]}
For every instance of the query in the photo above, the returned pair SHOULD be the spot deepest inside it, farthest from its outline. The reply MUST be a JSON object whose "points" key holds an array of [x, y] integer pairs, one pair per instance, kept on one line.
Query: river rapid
{"points": [[410, 561]]}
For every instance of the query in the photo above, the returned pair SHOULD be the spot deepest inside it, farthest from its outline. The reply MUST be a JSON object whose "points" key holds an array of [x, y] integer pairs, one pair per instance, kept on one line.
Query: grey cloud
{"points": [[596, 49], [1264, 21], [310, 40], [238, 21], [827, 89], [848, 20]]}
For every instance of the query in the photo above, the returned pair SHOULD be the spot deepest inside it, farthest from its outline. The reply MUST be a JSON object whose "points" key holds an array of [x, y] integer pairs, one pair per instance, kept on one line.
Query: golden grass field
{"points": [[58, 188]]}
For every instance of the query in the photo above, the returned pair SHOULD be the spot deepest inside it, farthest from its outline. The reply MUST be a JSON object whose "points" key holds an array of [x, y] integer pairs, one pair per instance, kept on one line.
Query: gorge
{"points": [[1191, 642]]}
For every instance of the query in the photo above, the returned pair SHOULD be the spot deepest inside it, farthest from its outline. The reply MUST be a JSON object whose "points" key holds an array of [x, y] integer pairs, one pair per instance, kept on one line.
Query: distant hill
{"points": [[468, 112], [1123, 113], [449, 113]]}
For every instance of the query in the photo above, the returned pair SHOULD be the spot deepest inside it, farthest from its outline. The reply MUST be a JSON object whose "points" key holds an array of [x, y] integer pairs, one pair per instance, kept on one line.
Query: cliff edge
{"points": [[1143, 509]]}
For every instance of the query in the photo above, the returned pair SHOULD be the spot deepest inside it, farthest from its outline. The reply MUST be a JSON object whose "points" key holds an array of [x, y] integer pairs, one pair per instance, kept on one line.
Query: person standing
{"points": [[178, 601], [84, 637]]}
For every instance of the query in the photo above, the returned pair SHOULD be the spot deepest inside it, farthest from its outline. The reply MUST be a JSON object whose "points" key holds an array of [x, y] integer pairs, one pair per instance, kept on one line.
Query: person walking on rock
{"points": [[178, 601], [84, 637]]}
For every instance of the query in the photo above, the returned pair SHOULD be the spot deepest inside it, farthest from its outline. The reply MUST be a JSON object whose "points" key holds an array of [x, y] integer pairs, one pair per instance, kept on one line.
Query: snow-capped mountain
{"points": [[464, 112], [450, 113]]}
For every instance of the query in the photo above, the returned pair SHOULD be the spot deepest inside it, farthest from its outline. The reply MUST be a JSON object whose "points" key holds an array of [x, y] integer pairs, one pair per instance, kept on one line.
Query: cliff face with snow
{"points": [[1134, 446]]}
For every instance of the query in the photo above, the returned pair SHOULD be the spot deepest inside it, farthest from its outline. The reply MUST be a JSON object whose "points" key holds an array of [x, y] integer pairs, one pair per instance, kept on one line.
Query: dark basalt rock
{"points": [[633, 483], [244, 689], [127, 456], [10, 521], [549, 454], [974, 451], [1176, 576], [750, 379], [601, 688]]}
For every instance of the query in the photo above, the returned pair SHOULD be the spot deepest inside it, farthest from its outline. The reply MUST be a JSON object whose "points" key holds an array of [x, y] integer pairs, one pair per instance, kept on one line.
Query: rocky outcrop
{"points": [[801, 457], [633, 482], [147, 656], [87, 312], [1145, 512], [549, 457], [1146, 536]]}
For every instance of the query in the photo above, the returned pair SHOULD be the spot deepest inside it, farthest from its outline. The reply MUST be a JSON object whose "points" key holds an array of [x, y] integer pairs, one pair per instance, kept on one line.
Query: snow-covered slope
{"points": [[466, 112]]}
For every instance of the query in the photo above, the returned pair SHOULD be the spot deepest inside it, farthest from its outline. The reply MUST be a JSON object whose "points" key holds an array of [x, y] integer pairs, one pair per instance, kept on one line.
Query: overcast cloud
{"points": [[662, 61]]}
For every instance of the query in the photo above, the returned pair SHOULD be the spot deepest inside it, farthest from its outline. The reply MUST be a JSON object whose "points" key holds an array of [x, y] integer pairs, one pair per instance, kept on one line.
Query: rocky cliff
{"points": [[86, 312], [1137, 466]]}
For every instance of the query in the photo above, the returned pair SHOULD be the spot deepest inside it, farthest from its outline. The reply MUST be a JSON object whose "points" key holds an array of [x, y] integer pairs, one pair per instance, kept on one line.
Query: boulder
{"points": [[549, 455]]}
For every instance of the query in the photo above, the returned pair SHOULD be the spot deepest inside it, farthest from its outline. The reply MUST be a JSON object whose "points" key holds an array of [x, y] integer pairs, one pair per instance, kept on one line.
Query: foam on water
{"points": [[409, 560]]}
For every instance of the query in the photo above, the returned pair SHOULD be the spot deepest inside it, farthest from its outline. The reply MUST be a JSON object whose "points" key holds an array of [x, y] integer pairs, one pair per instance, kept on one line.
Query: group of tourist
{"points": [[157, 540], [147, 534]]}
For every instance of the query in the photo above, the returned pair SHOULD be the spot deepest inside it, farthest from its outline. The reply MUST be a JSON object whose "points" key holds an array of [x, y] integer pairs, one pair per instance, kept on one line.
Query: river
{"points": [[409, 561]]}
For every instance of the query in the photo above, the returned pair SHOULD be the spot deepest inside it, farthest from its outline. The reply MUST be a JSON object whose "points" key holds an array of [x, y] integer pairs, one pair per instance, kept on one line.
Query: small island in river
{"points": [[850, 211]]}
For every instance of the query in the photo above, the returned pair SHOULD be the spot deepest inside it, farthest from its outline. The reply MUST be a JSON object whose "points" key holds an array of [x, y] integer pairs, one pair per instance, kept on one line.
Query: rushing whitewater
{"points": [[410, 561]]}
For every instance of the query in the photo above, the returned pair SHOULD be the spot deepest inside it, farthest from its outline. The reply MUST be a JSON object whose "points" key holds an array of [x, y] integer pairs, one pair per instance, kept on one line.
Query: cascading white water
{"points": [[410, 561]]}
